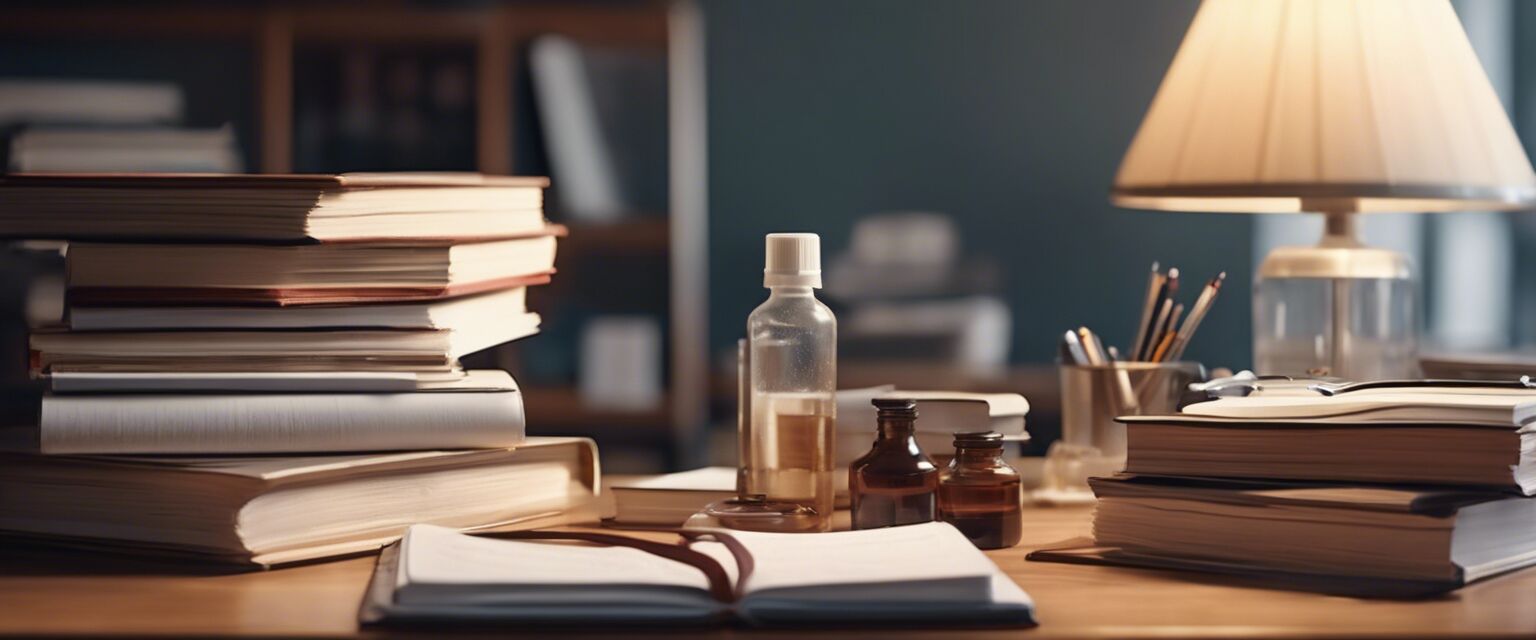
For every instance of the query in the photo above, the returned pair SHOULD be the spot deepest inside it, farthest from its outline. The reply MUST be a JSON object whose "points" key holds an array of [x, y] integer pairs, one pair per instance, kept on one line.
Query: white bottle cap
{"points": [[793, 260]]}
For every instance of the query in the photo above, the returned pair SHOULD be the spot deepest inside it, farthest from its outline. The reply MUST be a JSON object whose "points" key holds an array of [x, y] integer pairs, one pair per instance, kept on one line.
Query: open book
{"points": [[926, 573]]}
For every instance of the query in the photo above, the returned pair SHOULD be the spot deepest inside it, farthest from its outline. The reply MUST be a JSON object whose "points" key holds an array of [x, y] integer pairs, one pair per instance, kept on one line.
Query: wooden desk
{"points": [[42, 594]]}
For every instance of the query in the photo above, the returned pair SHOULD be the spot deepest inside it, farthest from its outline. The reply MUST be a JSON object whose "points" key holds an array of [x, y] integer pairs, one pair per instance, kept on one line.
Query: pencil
{"points": [[1154, 282], [1168, 334], [1155, 332], [1163, 346], [1092, 347], [1197, 315]]}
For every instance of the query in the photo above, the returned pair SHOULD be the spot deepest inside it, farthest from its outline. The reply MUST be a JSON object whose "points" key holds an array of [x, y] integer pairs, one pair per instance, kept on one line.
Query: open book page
{"points": [[923, 573], [1380, 406], [924, 562], [440, 566]]}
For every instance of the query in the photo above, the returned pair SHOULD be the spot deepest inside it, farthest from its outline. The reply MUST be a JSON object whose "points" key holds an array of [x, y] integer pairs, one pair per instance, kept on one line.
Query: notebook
{"points": [[273, 510], [901, 576], [484, 409], [1427, 436], [1372, 540], [269, 207], [670, 499], [218, 274], [945, 412]]}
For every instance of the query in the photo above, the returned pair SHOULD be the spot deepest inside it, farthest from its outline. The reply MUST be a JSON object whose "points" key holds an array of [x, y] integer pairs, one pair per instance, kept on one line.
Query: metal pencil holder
{"points": [[1092, 396]]}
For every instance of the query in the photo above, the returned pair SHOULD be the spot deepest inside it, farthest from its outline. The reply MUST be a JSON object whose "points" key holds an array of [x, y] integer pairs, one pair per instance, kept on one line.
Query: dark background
{"points": [[1010, 116]]}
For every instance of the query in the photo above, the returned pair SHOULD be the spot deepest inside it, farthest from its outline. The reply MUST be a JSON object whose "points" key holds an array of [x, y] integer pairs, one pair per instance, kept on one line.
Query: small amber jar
{"points": [[980, 494], [894, 483]]}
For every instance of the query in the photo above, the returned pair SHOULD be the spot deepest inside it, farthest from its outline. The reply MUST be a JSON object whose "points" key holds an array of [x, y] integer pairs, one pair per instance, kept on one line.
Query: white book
{"points": [[255, 382], [939, 411], [146, 149], [239, 351], [270, 510], [672, 498], [497, 307], [88, 102], [1494, 407], [216, 423], [927, 573]]}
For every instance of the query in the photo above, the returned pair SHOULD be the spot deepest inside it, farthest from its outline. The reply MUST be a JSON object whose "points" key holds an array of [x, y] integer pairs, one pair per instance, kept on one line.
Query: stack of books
{"points": [[1371, 488], [302, 321], [94, 125]]}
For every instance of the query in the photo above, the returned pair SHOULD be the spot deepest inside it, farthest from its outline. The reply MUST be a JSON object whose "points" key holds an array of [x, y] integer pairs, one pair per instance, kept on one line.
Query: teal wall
{"points": [[1009, 115]]}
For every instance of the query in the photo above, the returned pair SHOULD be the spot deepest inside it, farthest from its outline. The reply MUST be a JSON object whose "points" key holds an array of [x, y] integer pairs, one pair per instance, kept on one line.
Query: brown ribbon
{"points": [[720, 587]]}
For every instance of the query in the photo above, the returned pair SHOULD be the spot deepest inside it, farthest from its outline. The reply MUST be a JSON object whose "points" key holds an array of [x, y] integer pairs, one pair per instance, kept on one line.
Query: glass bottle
{"points": [[894, 483], [787, 454], [980, 494]]}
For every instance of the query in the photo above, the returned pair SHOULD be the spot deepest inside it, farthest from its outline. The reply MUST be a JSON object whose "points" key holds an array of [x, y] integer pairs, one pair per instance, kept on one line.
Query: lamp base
{"points": [[1338, 309]]}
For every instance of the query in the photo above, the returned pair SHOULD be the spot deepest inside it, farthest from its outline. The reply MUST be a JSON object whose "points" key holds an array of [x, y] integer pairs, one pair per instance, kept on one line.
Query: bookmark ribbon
{"points": [[720, 587]]}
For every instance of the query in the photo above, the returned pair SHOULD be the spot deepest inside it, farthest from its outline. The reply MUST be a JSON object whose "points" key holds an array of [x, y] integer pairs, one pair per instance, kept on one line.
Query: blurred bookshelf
{"points": [[473, 111]]}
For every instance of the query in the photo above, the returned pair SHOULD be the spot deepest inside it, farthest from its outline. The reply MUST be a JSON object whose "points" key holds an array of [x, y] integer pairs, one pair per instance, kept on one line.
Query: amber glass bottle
{"points": [[895, 483], [981, 494]]}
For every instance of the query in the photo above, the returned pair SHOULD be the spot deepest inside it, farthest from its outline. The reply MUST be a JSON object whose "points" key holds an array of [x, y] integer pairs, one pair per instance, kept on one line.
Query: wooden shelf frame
{"points": [[496, 31]]}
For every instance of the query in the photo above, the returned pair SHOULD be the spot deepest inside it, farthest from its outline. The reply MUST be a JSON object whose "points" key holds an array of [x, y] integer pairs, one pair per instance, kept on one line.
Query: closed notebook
{"points": [[485, 409], [250, 511], [1452, 437], [1314, 536], [913, 575], [269, 207], [670, 499], [939, 411], [223, 274]]}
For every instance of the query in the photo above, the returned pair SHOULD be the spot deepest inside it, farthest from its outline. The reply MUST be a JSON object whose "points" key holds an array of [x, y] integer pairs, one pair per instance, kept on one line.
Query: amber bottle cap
{"points": [[903, 408], [979, 439]]}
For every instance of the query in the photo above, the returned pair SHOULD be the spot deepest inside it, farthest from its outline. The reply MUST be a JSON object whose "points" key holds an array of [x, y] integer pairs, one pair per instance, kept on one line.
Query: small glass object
{"points": [[787, 440], [980, 494], [1339, 309], [894, 483]]}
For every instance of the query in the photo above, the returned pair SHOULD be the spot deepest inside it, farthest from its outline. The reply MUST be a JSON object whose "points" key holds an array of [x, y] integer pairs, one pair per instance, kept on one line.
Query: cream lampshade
{"points": [[1335, 107]]}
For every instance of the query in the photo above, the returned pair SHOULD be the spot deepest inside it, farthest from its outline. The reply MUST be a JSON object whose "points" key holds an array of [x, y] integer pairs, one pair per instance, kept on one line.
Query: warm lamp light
{"points": [[1335, 107]]}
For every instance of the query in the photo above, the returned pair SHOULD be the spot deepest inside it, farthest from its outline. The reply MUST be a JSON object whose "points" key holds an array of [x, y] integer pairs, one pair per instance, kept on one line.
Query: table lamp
{"points": [[1335, 107]]}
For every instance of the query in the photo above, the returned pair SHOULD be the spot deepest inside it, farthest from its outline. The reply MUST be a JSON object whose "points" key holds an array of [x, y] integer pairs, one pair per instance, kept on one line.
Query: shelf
{"points": [[556, 410], [644, 235], [632, 23]]}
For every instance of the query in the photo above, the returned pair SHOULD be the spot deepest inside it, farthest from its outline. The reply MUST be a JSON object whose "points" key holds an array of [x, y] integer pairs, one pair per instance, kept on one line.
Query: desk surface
{"points": [[47, 594]]}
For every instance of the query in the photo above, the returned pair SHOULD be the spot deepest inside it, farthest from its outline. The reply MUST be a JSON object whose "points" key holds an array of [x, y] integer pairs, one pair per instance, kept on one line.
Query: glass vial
{"points": [[980, 494], [894, 483], [787, 453]]}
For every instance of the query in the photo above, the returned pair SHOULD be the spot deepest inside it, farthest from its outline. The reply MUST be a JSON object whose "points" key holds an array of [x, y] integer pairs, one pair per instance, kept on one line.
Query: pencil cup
{"points": [[1092, 396]]}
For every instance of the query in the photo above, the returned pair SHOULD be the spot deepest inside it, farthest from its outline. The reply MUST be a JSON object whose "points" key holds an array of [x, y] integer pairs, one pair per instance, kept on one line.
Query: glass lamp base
{"points": [[1355, 328]]}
